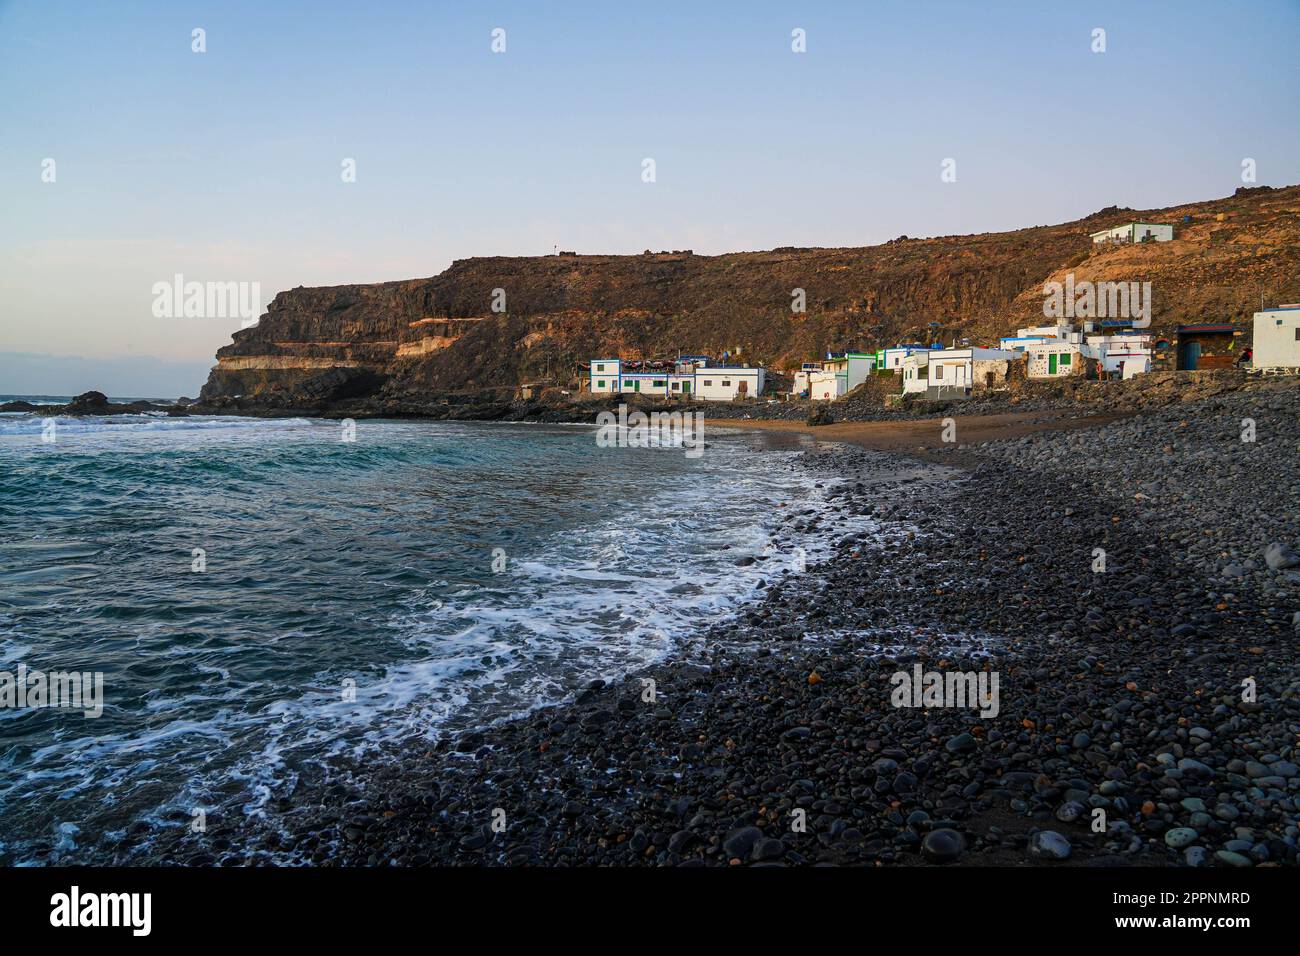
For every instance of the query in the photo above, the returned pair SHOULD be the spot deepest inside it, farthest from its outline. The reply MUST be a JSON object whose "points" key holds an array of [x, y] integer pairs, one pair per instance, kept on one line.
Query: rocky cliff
{"points": [[422, 340]]}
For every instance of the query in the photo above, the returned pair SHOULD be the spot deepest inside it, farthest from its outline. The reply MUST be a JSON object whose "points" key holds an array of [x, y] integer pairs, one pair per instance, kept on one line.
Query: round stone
{"points": [[943, 846], [1049, 845]]}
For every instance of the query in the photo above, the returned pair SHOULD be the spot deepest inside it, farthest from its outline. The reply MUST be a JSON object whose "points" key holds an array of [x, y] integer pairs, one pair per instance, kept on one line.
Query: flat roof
{"points": [[1207, 327]]}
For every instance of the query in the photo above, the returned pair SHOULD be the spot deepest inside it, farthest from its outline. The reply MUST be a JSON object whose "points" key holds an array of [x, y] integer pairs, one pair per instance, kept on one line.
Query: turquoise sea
{"points": [[260, 595]]}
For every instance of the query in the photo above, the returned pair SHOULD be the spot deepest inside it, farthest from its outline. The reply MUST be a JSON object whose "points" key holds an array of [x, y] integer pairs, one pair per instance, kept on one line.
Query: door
{"points": [[636, 385], [1051, 364], [1190, 354], [686, 389]]}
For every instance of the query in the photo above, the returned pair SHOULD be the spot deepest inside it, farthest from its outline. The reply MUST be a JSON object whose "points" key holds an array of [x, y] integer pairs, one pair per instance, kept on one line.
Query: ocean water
{"points": [[349, 597]]}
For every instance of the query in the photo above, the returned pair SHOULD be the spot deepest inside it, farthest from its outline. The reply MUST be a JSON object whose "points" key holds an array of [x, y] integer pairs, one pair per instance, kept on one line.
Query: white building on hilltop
{"points": [[1135, 232]]}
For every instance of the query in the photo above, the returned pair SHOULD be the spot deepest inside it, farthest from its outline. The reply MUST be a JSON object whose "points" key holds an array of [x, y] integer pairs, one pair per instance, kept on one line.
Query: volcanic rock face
{"points": [[419, 339]]}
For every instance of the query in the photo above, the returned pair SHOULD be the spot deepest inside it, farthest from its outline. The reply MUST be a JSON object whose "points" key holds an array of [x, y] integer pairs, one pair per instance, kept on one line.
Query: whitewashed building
{"points": [[1038, 334], [838, 375], [1053, 359], [801, 379], [604, 375], [1277, 338], [1135, 232], [825, 385], [891, 359], [1123, 353], [1055, 351], [915, 369], [723, 383], [690, 377], [954, 372]]}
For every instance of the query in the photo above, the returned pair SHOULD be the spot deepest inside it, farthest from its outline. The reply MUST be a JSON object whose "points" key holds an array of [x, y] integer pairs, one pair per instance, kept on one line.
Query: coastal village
{"points": [[1105, 347], [1111, 349]]}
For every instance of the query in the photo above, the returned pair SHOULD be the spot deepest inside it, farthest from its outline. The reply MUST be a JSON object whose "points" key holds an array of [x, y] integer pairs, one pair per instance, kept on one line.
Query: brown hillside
{"points": [[440, 335]]}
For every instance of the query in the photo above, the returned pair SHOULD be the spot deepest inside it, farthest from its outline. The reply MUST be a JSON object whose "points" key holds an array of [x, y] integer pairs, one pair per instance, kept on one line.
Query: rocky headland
{"points": [[487, 330]]}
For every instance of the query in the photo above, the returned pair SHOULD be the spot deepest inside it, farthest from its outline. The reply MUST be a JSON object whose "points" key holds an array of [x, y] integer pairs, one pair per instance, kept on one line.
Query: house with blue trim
{"points": [[690, 378]]}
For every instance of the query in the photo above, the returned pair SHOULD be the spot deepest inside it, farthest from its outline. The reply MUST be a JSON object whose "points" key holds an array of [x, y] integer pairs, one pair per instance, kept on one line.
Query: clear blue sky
{"points": [[225, 165]]}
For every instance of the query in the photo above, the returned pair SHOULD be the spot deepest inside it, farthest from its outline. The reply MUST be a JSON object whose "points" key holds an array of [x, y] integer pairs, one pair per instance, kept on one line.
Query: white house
{"points": [[1277, 338], [953, 372], [1128, 353], [604, 375], [891, 360], [838, 375], [800, 388], [825, 385], [1053, 359], [1036, 334], [915, 369], [1135, 232], [722, 383], [690, 377], [1054, 351]]}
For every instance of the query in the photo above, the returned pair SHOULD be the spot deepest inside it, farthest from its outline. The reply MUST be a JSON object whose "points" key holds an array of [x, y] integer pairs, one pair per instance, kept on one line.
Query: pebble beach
{"points": [[1134, 587]]}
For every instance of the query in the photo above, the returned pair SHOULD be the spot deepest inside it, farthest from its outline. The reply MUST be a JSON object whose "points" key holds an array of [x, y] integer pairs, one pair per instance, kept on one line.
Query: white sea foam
{"points": [[633, 587]]}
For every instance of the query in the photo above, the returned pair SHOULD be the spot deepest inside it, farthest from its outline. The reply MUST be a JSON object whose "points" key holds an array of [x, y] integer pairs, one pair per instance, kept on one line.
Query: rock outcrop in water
{"points": [[401, 346], [93, 403]]}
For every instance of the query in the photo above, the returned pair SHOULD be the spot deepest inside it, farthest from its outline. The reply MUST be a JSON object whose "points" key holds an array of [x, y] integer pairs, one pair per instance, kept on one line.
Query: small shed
{"points": [[1206, 346]]}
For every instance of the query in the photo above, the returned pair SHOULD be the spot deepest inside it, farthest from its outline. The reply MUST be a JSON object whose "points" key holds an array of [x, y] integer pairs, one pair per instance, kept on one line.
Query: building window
{"points": [[938, 371], [601, 383], [600, 368], [658, 383], [1297, 333], [708, 381], [726, 384], [1065, 358], [676, 386]]}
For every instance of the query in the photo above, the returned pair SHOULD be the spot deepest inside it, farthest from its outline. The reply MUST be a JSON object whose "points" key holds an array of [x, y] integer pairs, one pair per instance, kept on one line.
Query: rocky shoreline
{"points": [[1141, 394], [1124, 690]]}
